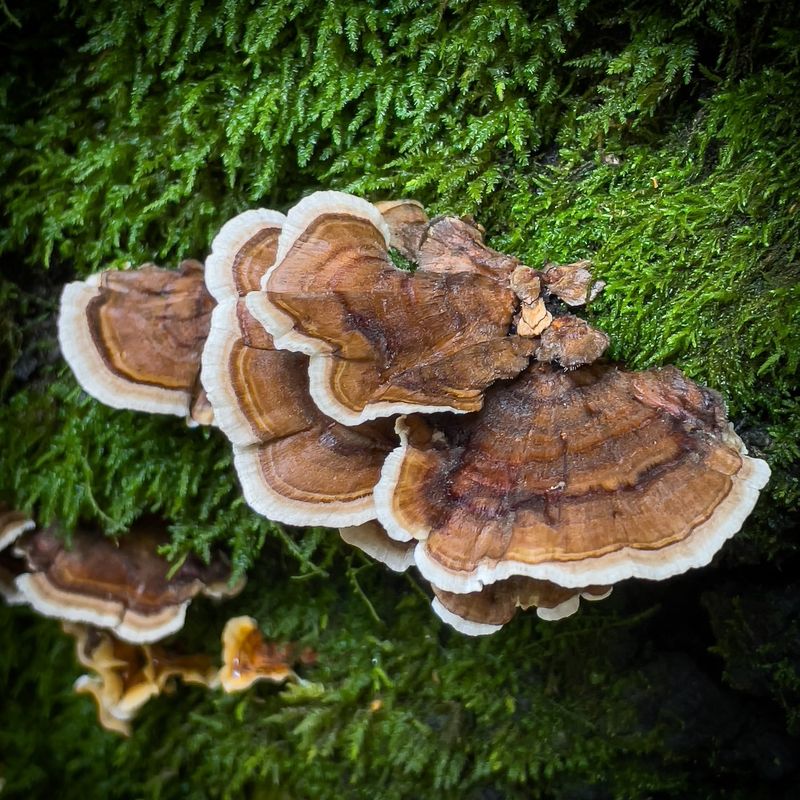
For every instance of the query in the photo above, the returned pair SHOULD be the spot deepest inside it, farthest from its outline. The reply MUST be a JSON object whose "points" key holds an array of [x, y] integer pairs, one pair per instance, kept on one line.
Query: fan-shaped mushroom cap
{"points": [[381, 340], [123, 587], [572, 283], [407, 221], [578, 478], [128, 675], [12, 525], [247, 658], [374, 541], [241, 253], [486, 611], [295, 464], [134, 338]]}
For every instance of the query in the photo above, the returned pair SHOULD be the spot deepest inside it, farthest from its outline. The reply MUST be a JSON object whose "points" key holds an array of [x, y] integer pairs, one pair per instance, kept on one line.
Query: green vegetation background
{"points": [[664, 145]]}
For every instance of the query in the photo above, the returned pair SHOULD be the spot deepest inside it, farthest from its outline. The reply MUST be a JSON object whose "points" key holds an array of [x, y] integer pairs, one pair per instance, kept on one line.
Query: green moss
{"points": [[662, 145]]}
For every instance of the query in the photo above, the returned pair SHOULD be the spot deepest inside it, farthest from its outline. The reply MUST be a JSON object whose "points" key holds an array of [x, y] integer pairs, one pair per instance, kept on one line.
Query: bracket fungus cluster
{"points": [[391, 375], [123, 676], [118, 600]]}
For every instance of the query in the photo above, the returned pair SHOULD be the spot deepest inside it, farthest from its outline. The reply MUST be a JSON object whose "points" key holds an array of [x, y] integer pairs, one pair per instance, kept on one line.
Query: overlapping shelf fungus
{"points": [[391, 375]]}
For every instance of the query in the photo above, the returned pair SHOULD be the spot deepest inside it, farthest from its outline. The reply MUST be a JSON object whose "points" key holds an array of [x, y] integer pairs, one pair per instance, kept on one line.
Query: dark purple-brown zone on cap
{"points": [[565, 466]]}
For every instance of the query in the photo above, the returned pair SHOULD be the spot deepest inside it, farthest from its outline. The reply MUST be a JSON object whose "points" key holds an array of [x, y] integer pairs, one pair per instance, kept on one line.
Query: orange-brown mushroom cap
{"points": [[382, 341], [134, 338], [241, 252], [247, 657], [578, 478], [486, 611], [127, 675], [124, 587], [295, 464]]}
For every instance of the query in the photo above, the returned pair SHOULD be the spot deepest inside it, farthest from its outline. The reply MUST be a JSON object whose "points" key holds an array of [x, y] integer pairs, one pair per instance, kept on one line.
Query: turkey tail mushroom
{"points": [[124, 587], [134, 338], [295, 464], [578, 478], [381, 340], [486, 611]]}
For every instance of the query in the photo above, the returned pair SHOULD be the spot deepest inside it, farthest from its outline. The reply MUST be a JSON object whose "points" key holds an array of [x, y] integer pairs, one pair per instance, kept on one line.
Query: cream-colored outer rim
{"points": [[282, 327], [136, 628], [465, 626], [13, 531], [234, 235], [93, 373], [627, 562], [263, 499], [214, 374]]}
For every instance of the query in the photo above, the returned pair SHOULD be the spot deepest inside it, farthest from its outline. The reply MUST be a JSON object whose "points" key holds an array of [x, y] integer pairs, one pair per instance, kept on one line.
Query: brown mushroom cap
{"points": [[134, 338], [247, 658], [486, 611], [241, 252], [124, 587], [295, 464], [381, 340], [579, 478], [375, 542]]}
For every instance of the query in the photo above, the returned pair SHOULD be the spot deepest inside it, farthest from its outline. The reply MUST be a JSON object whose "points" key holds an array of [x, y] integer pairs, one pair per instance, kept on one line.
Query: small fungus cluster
{"points": [[118, 599], [392, 376]]}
